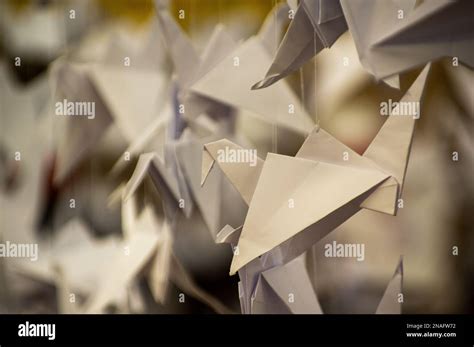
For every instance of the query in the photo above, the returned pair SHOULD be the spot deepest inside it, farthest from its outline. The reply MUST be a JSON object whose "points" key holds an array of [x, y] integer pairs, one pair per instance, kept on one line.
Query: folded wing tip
{"points": [[207, 164], [259, 85], [127, 193], [235, 265], [266, 82]]}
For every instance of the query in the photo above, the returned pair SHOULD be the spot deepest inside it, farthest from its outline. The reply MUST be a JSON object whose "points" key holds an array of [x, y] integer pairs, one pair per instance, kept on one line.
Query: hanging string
{"points": [[302, 89], [275, 125], [316, 116]]}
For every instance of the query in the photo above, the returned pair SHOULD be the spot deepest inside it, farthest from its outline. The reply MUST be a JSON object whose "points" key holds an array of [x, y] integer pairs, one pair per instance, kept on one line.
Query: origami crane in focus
{"points": [[325, 190]]}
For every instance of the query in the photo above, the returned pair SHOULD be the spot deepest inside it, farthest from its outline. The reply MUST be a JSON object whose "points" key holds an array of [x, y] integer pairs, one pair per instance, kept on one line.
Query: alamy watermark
{"points": [[19, 250], [28, 329], [345, 250], [400, 108], [240, 155], [75, 108]]}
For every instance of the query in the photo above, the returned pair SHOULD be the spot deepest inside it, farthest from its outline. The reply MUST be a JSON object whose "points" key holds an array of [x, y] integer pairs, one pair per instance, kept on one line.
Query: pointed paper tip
{"points": [[239, 259], [128, 192], [426, 69], [137, 177], [423, 74], [228, 234], [416, 89], [266, 82], [232, 270], [207, 164], [258, 85], [393, 81], [116, 196], [399, 269], [235, 265]]}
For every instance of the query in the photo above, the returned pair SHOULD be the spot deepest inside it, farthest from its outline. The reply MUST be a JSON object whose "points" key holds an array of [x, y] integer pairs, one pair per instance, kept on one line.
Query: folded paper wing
{"points": [[167, 185], [131, 95], [395, 36], [390, 302], [188, 65], [219, 46], [152, 139], [126, 267], [74, 84], [242, 66], [144, 243], [147, 250], [270, 285], [128, 98], [208, 198], [161, 267], [390, 149], [285, 289], [388, 152], [287, 181], [183, 55], [228, 234], [201, 79], [316, 25], [242, 175], [74, 245]]}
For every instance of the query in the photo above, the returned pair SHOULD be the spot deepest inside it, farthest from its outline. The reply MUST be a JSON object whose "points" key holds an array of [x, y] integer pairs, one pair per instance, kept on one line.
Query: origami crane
{"points": [[397, 36], [373, 181], [316, 25], [119, 94], [242, 66], [199, 88], [270, 252], [391, 37]]}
